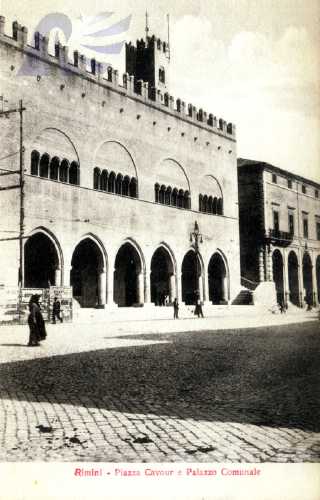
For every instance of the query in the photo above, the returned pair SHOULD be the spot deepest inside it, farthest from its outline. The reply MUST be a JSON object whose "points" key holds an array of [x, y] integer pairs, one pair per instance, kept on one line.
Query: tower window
{"points": [[274, 178], [162, 75], [289, 183], [316, 193], [304, 189]]}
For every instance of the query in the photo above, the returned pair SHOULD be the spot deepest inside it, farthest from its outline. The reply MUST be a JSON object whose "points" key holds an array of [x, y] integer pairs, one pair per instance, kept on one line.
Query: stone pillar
{"points": [[172, 287], [57, 276], [148, 287], [102, 282], [206, 290], [179, 288], [225, 295], [140, 285], [261, 265], [66, 276], [110, 288], [200, 288], [269, 264]]}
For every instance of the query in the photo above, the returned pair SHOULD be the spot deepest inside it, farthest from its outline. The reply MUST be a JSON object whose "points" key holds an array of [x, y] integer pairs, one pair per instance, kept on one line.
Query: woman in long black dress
{"points": [[36, 322]]}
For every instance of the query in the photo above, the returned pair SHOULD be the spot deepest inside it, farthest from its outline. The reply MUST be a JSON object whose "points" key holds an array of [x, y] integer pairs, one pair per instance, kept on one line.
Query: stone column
{"points": [[200, 288], [225, 295], [57, 277], [148, 287], [179, 286], [206, 290], [102, 282], [172, 288], [140, 285], [261, 265], [110, 287]]}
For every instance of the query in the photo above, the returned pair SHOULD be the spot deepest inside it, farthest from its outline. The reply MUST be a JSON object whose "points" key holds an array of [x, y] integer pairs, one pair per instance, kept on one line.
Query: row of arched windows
{"points": [[54, 168], [174, 197], [115, 183], [210, 205]]}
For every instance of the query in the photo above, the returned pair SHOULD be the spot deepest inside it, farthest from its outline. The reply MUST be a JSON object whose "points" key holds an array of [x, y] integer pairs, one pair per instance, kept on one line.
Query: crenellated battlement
{"points": [[105, 75]]}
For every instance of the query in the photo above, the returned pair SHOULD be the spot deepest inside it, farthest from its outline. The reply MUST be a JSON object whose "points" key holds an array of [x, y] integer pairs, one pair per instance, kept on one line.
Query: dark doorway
{"points": [[40, 262], [293, 279], [277, 269], [307, 279], [217, 280], [87, 262], [190, 276], [161, 271], [126, 277]]}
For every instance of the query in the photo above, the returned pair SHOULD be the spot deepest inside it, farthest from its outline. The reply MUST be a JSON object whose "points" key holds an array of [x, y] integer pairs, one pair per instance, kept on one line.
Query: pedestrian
{"points": [[175, 309], [198, 309], [56, 311], [36, 322]]}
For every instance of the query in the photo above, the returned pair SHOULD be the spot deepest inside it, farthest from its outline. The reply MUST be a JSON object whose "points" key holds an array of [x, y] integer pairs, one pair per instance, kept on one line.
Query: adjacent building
{"points": [[279, 217]]}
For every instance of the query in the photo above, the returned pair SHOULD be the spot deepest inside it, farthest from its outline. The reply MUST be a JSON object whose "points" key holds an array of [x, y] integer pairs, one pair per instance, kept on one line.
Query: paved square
{"points": [[93, 394]]}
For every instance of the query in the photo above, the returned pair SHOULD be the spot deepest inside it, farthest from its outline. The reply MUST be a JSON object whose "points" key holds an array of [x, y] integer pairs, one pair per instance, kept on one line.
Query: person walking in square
{"points": [[198, 309], [56, 311], [175, 309], [36, 322]]}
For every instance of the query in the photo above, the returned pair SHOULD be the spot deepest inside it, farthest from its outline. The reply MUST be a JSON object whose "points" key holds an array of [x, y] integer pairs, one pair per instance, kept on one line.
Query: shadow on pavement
{"points": [[264, 376]]}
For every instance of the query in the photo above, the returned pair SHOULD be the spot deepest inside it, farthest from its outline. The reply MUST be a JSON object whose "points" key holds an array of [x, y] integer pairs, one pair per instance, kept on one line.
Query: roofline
{"points": [[261, 165]]}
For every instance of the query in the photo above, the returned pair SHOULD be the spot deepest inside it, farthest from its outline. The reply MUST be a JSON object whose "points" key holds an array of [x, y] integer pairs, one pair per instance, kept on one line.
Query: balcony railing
{"points": [[281, 236]]}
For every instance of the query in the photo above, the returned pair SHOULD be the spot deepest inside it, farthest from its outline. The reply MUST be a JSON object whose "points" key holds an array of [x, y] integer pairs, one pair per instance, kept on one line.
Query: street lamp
{"points": [[196, 238]]}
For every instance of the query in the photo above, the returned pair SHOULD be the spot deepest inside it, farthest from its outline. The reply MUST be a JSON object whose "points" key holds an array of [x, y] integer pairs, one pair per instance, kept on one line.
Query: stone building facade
{"points": [[279, 217], [116, 172]]}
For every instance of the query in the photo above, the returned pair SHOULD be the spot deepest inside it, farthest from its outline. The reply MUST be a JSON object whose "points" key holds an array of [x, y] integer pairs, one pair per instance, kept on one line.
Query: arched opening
{"points": [[41, 262], [174, 197], [156, 192], [318, 277], [293, 278], [125, 185], [133, 188], [104, 181], [162, 194], [128, 277], [119, 184], [74, 174], [215, 206], [187, 202], [112, 182], [210, 205], [220, 206], [87, 268], [96, 178], [200, 202], [64, 171], [277, 270], [44, 166], [191, 270], [180, 198], [307, 279], [162, 278], [205, 203], [168, 195], [217, 276], [54, 168], [35, 157]]}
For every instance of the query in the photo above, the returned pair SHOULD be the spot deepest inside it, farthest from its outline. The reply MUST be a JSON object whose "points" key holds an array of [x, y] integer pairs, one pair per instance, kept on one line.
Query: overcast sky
{"points": [[256, 63]]}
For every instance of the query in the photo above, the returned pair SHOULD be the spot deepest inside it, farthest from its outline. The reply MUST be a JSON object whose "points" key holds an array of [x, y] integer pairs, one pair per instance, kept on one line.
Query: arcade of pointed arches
{"points": [[94, 285]]}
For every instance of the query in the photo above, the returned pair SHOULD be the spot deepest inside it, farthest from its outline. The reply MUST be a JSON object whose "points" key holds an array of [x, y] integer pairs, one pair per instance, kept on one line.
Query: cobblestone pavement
{"points": [[88, 394]]}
